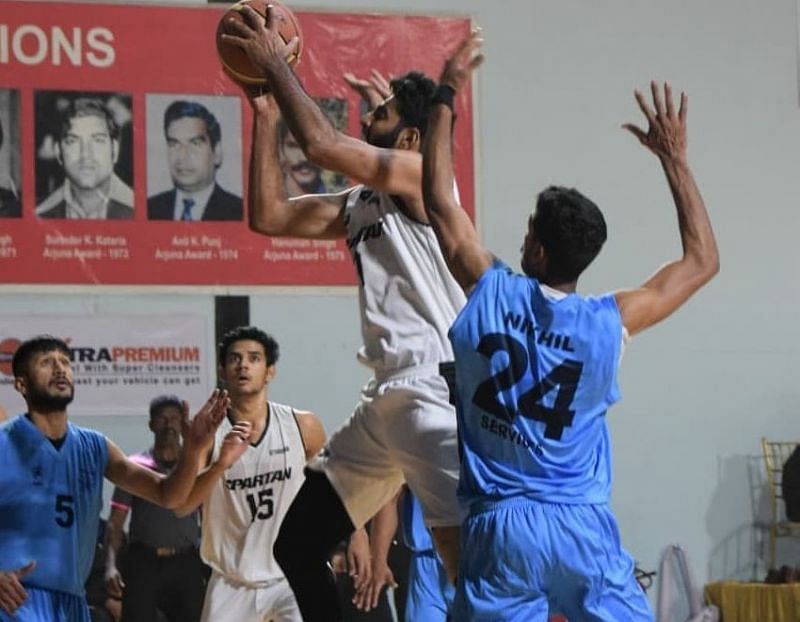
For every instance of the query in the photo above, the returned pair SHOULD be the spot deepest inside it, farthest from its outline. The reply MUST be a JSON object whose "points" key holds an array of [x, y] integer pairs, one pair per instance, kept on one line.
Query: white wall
{"points": [[699, 390]]}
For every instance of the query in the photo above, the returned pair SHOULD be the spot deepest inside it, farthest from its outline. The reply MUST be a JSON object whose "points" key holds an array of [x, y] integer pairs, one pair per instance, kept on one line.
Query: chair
{"points": [[776, 453]]}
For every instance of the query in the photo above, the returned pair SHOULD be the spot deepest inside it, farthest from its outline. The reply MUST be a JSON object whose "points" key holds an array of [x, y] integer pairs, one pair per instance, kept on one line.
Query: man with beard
{"points": [[404, 428], [243, 506], [162, 569], [51, 485]]}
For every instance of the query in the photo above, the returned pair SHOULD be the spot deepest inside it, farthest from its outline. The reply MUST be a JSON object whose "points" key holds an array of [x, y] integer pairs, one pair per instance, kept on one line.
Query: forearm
{"points": [[201, 490], [113, 544], [437, 165], [384, 526], [309, 125], [268, 205], [697, 236], [175, 488]]}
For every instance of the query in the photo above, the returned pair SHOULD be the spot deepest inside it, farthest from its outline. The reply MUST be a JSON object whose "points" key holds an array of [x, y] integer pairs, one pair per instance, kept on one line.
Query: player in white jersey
{"points": [[244, 505], [404, 428]]}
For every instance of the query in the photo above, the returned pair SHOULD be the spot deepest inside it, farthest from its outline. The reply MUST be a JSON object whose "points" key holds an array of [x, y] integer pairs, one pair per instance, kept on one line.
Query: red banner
{"points": [[143, 64]]}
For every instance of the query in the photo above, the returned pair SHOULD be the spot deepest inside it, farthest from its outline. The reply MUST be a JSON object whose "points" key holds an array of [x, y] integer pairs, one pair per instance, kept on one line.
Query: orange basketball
{"points": [[235, 60]]}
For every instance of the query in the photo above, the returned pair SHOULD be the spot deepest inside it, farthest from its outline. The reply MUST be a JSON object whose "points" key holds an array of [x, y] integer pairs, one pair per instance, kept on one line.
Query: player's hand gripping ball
{"points": [[235, 60]]}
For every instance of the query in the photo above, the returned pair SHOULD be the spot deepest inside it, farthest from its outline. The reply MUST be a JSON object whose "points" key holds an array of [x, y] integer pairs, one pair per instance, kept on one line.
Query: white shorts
{"points": [[402, 430], [233, 602]]}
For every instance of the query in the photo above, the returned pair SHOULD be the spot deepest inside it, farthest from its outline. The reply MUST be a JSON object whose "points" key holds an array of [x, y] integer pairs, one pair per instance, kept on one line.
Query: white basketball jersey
{"points": [[246, 507], [408, 297]]}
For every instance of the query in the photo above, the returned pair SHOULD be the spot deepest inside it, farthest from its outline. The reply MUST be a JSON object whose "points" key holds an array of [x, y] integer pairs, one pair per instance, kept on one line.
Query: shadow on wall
{"points": [[737, 521]]}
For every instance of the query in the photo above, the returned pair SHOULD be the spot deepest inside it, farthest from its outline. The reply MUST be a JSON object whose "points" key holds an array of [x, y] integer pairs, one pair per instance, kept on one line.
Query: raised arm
{"points": [[270, 210], [675, 282], [387, 170], [462, 250], [233, 446], [172, 490]]}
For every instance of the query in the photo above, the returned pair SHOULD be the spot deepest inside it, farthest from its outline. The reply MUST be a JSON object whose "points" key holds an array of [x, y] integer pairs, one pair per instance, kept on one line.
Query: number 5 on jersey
{"points": [[261, 507]]}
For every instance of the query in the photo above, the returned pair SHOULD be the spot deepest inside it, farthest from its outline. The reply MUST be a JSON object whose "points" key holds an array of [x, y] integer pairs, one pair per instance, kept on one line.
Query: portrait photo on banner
{"points": [[10, 182], [194, 157], [300, 175], [84, 155]]}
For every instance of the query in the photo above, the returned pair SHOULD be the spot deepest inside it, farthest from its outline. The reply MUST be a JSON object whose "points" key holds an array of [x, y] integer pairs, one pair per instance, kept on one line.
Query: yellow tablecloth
{"points": [[755, 602]]}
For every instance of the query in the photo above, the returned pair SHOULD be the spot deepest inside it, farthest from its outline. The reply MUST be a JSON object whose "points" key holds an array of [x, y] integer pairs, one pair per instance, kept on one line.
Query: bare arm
{"points": [[172, 490], [675, 282], [270, 210], [233, 446], [465, 256], [386, 170], [114, 527], [382, 531], [312, 432]]}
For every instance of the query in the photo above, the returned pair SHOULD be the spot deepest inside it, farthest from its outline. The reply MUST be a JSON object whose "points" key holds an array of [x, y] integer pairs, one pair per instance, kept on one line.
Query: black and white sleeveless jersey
{"points": [[407, 295], [244, 511]]}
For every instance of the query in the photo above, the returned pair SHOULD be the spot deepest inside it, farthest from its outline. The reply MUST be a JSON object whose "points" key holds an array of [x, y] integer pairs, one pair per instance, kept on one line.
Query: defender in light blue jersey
{"points": [[536, 371], [51, 485]]}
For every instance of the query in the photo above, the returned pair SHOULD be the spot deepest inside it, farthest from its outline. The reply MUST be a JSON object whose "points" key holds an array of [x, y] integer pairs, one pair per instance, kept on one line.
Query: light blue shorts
{"points": [[430, 593], [522, 559], [49, 606]]}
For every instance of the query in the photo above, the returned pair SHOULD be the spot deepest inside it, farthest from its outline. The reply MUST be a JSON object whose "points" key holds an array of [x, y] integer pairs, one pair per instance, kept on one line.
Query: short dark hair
{"points": [[570, 228], [161, 402], [180, 109], [86, 107], [271, 348], [413, 93], [35, 345]]}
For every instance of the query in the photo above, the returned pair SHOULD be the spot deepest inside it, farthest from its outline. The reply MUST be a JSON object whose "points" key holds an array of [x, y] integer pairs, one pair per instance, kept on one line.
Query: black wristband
{"points": [[444, 94]]}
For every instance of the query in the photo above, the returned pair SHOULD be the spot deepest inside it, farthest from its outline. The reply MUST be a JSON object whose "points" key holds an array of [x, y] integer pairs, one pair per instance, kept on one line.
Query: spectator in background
{"points": [[163, 569], [10, 206], [194, 153], [87, 147]]}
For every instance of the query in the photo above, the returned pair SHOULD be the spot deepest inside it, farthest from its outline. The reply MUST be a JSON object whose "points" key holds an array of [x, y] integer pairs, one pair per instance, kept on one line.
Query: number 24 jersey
{"points": [[535, 376]]}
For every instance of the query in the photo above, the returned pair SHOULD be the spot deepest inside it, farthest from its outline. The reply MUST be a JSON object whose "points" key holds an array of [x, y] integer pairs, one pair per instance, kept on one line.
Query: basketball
{"points": [[235, 60]]}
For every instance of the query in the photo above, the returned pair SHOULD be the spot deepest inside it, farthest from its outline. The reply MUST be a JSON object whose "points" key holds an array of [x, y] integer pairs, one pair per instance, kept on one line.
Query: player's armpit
{"points": [[312, 432]]}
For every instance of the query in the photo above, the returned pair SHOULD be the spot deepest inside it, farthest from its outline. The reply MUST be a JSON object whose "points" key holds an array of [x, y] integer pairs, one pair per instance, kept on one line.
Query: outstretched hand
{"points": [[466, 59], [666, 132], [198, 433], [259, 38], [373, 90]]}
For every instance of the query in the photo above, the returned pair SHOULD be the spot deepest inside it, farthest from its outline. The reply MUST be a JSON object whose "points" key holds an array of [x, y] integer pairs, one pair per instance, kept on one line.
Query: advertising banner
{"points": [[120, 363]]}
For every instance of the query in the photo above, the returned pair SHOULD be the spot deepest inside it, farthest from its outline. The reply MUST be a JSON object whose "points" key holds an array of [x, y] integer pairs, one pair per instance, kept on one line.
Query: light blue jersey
{"points": [[50, 502], [535, 376]]}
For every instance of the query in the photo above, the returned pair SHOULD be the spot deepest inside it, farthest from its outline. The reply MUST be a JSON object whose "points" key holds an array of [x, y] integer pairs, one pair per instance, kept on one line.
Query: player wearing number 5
{"points": [[536, 371], [244, 505], [51, 485]]}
